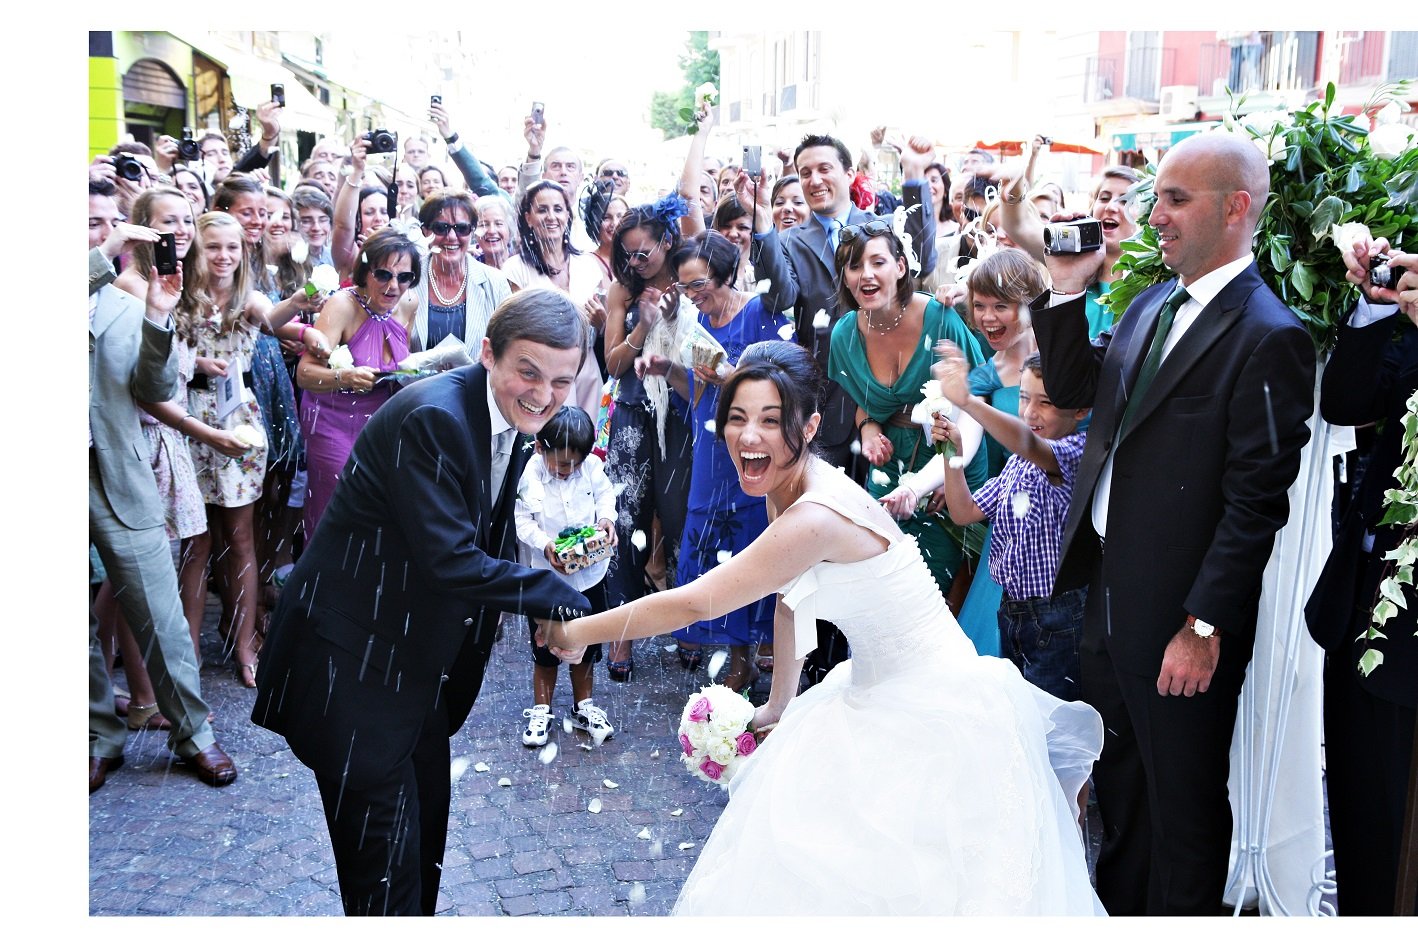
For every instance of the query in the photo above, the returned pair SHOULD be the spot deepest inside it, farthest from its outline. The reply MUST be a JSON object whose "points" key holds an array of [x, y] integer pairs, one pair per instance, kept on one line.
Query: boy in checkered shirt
{"points": [[1028, 504]]}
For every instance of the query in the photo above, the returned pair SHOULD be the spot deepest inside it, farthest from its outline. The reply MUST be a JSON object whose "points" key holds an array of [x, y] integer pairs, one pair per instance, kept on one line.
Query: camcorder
{"points": [[1381, 274], [1073, 237], [382, 141]]}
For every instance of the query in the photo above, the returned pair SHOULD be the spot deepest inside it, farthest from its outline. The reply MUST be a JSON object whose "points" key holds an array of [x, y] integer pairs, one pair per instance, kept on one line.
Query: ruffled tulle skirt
{"points": [[944, 789]]}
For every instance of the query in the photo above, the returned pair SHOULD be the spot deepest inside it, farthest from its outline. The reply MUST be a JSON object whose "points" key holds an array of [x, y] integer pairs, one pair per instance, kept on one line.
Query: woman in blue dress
{"points": [[721, 519]]}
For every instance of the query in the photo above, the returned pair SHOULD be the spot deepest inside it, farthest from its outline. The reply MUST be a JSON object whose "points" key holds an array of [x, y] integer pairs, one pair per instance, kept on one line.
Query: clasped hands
{"points": [[569, 655]]}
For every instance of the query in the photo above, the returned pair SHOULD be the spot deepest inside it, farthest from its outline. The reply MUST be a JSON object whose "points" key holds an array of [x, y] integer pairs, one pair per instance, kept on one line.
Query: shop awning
{"points": [[1157, 139], [1007, 148]]}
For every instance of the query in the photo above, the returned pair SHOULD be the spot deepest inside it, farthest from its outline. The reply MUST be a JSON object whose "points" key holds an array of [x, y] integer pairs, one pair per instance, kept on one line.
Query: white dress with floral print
{"points": [[226, 481]]}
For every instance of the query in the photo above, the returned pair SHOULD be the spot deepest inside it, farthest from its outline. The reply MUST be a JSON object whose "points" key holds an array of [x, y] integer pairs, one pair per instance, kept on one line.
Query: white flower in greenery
{"points": [[1389, 141], [251, 437], [299, 250], [1347, 234], [932, 402], [324, 279], [705, 94], [1275, 146], [341, 359]]}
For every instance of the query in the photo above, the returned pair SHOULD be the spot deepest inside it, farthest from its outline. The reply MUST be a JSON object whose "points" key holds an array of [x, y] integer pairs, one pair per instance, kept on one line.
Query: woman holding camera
{"points": [[360, 209]]}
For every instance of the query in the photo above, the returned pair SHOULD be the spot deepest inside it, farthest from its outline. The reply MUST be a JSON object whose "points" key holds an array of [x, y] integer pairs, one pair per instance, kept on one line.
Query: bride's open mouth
{"points": [[754, 465]]}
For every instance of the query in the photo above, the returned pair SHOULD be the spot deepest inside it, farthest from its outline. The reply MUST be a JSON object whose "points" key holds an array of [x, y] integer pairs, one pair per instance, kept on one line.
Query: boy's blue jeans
{"points": [[1040, 635]]}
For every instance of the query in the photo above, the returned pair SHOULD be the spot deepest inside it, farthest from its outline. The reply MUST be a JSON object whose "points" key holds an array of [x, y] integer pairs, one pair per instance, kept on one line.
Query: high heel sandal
{"points": [[690, 659], [242, 669], [147, 718], [620, 670]]}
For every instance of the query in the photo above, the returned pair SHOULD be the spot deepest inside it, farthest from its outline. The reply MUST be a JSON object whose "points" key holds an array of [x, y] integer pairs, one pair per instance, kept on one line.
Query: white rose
{"points": [[722, 750], [325, 279], [706, 93], [1346, 235], [1389, 141], [341, 359]]}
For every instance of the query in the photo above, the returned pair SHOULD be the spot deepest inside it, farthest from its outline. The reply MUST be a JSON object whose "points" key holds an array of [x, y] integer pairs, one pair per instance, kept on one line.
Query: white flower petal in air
{"points": [[637, 894], [610, 784], [637, 538], [716, 663], [763, 286], [1019, 504], [299, 250], [457, 768], [481, 767], [655, 753], [786, 332], [957, 462], [855, 447], [595, 805], [710, 426], [504, 782], [724, 555], [249, 435], [547, 754], [677, 811], [686, 846], [880, 478], [820, 320], [566, 724], [644, 834]]}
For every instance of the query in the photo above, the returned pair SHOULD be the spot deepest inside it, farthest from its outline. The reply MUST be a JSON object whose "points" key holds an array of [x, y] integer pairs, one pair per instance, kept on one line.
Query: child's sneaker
{"points": [[590, 718], [538, 718]]}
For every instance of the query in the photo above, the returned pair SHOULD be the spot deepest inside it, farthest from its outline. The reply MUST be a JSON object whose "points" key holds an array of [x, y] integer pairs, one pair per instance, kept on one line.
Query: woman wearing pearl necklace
{"points": [[460, 293]]}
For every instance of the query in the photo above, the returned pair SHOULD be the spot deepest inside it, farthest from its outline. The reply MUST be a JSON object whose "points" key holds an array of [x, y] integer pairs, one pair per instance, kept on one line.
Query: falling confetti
{"points": [[655, 753], [710, 426], [595, 805], [677, 811], [686, 846], [637, 538], [637, 893], [547, 754], [481, 767], [644, 833], [610, 784], [716, 663], [855, 446], [1019, 504], [504, 782]]}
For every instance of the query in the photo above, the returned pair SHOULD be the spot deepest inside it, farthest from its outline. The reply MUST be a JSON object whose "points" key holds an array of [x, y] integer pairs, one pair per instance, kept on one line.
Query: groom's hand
{"points": [[566, 656]]}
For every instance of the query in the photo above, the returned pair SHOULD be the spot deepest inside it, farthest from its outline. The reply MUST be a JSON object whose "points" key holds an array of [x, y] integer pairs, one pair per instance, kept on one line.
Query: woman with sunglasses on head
{"points": [[881, 355], [459, 294], [721, 516], [650, 449], [369, 320], [220, 316]]}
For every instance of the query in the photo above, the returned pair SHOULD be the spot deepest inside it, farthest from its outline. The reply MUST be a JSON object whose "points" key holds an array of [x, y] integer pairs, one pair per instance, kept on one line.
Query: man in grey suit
{"points": [[131, 359]]}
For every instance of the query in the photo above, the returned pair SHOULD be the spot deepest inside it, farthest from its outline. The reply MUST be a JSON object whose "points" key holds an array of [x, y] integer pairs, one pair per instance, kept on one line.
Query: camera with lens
{"points": [[128, 167], [187, 148], [1381, 274], [1072, 237], [382, 142]]}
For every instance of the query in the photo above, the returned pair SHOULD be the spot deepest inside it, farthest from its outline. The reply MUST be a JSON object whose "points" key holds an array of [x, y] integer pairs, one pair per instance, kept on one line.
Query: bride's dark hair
{"points": [[793, 371]]}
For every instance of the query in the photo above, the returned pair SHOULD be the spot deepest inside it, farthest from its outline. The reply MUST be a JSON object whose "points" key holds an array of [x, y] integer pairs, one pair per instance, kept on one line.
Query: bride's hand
{"points": [[901, 502], [764, 720]]}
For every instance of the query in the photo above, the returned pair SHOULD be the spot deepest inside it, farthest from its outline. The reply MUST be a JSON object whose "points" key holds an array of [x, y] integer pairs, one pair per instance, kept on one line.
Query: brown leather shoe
{"points": [[99, 769], [214, 766]]}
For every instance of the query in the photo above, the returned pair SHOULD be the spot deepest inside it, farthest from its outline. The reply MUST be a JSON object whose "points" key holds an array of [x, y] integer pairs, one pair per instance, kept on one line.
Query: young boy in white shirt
{"points": [[564, 487]]}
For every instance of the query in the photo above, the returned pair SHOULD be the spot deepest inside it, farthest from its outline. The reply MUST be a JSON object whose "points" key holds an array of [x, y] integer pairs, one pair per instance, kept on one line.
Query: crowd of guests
{"points": [[272, 376]]}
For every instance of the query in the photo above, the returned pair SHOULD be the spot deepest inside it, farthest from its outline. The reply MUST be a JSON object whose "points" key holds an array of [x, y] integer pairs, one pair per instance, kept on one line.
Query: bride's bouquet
{"points": [[713, 731]]}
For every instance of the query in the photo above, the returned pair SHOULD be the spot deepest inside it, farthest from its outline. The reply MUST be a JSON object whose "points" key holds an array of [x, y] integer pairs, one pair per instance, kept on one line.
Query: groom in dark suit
{"points": [[377, 648], [1200, 400]]}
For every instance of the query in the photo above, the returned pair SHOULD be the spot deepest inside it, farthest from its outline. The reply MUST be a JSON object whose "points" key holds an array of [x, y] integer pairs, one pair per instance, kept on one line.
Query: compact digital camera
{"points": [[1076, 236], [1381, 274], [382, 142]]}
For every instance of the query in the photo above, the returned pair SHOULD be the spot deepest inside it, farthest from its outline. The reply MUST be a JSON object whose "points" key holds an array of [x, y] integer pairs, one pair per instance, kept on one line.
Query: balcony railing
{"points": [[1148, 69], [1100, 79], [1361, 57], [1402, 55], [1275, 61]]}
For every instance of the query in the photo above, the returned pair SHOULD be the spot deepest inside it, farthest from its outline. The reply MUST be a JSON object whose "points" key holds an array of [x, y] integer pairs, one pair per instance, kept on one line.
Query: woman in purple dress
{"points": [[368, 319]]}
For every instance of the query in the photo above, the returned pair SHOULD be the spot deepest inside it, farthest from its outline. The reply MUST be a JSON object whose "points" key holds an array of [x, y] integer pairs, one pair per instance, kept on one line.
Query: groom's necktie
{"points": [[501, 456], [1153, 361]]}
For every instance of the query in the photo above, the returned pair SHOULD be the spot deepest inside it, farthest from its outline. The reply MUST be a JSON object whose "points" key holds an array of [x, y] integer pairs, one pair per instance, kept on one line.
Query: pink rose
{"points": [[746, 744], [711, 768], [684, 743], [699, 711]]}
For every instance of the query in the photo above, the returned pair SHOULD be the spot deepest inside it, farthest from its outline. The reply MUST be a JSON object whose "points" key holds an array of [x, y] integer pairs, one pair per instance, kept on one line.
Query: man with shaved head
{"points": [[1200, 397]]}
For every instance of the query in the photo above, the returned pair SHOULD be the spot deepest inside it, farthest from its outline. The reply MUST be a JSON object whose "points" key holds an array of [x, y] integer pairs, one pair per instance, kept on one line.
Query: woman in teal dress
{"points": [[881, 355], [999, 290]]}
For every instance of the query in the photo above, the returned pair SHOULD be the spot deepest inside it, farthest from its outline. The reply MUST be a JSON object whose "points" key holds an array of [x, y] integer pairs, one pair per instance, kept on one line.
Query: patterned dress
{"points": [[184, 513], [226, 481]]}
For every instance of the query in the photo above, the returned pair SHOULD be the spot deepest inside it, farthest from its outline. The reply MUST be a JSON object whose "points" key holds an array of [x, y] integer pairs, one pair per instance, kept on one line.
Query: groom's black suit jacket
{"points": [[386, 623]]}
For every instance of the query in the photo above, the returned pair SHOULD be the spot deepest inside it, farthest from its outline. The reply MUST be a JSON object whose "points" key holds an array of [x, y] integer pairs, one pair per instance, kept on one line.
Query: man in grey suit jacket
{"points": [[131, 359]]}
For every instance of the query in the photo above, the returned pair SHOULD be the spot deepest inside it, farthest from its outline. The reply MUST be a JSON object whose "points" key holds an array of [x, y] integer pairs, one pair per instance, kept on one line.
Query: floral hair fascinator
{"points": [[668, 209]]}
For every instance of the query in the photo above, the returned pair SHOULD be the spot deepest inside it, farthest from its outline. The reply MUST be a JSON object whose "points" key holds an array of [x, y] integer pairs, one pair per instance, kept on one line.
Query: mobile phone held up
{"points": [[539, 114], [753, 159], [165, 254], [278, 94]]}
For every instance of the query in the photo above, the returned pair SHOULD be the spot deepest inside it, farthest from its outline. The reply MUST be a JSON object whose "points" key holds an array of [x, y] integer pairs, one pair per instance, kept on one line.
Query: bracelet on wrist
{"points": [[864, 422], [632, 345], [301, 328], [451, 139], [533, 157]]}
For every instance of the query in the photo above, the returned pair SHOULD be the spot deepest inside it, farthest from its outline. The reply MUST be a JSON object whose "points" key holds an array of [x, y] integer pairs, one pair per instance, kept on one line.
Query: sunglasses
{"points": [[384, 275], [642, 254], [867, 230], [440, 228], [694, 286]]}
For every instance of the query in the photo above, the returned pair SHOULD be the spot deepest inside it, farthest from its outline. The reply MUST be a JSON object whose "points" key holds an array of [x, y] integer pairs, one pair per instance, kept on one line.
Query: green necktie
{"points": [[1145, 377]]}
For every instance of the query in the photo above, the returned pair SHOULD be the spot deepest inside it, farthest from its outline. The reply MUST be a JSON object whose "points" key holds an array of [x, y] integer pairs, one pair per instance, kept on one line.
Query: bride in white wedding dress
{"points": [[918, 778]]}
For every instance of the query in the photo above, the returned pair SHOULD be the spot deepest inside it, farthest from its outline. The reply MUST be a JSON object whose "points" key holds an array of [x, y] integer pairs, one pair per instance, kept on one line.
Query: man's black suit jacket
{"points": [[1199, 483], [1369, 377], [386, 623]]}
